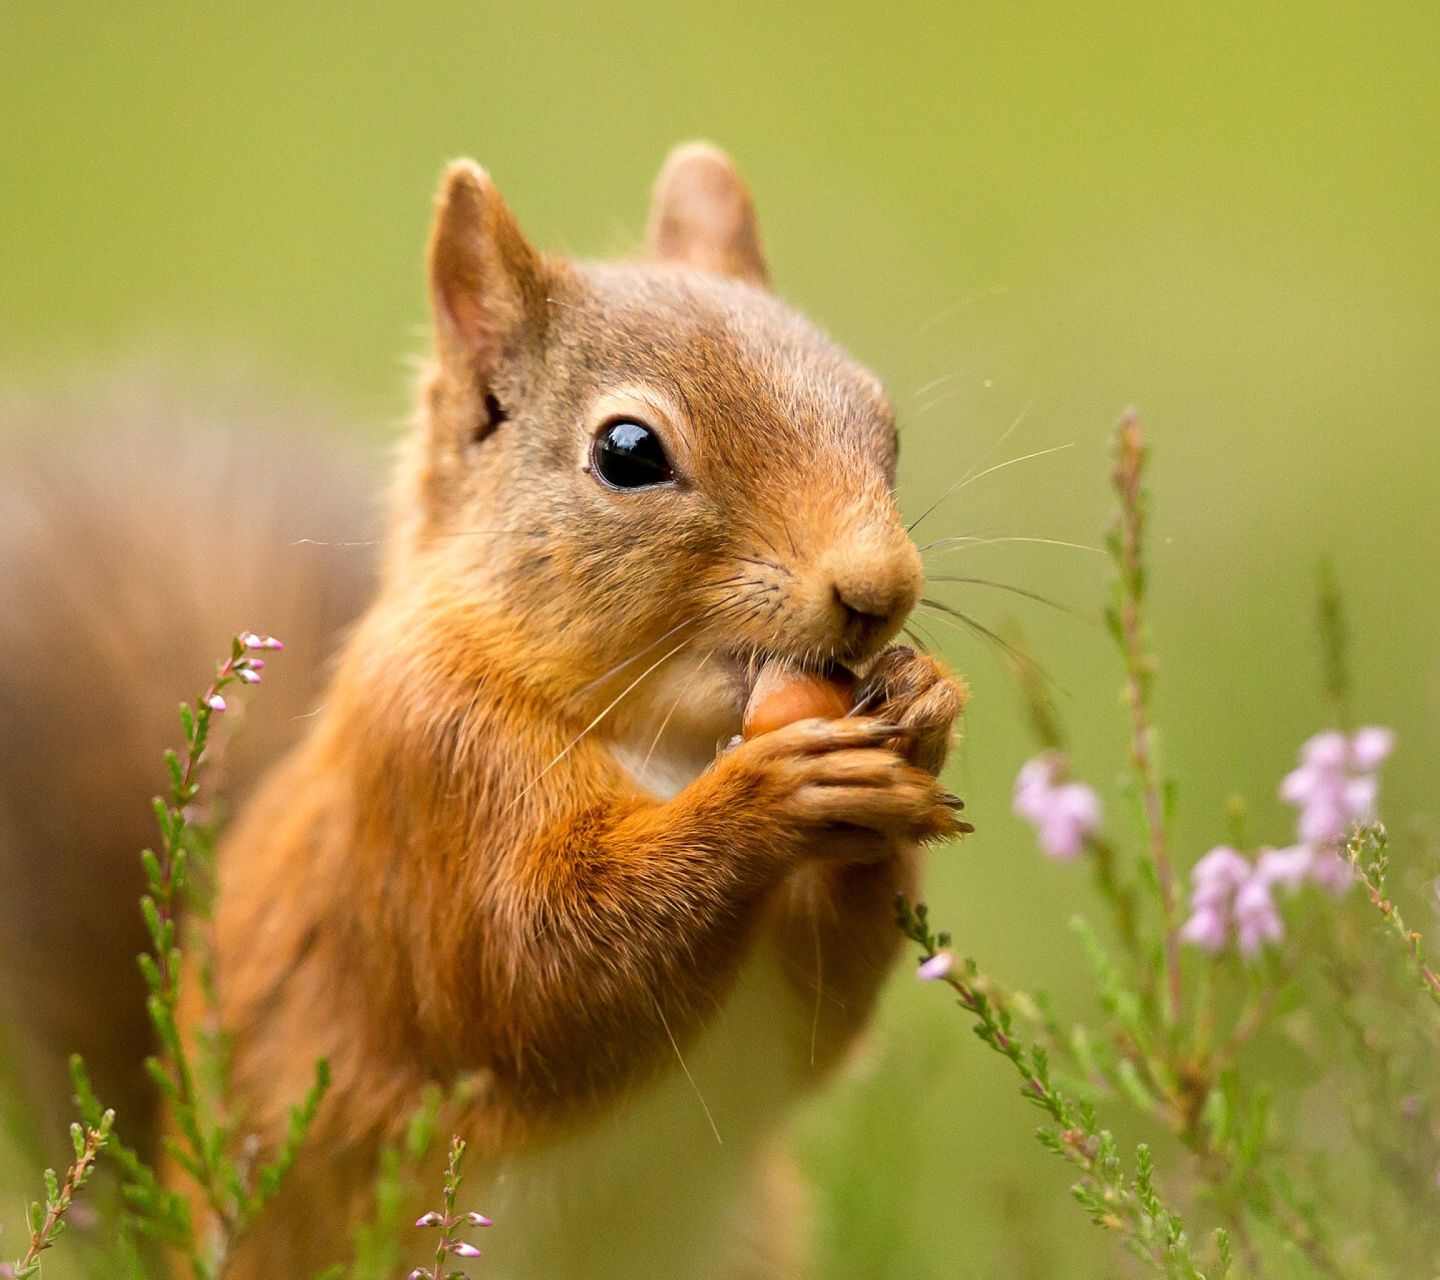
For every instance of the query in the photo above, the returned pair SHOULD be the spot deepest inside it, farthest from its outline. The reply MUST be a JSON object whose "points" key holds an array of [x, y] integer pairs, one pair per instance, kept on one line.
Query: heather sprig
{"points": [[1367, 852], [450, 1224], [1130, 1205], [47, 1220], [1125, 618], [193, 1080], [1179, 1024]]}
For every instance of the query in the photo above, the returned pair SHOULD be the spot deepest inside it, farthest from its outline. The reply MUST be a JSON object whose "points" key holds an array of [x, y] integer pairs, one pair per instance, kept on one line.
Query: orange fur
{"points": [[506, 844]]}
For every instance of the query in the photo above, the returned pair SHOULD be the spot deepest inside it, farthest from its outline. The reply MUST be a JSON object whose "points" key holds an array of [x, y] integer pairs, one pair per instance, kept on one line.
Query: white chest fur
{"points": [[668, 1185]]}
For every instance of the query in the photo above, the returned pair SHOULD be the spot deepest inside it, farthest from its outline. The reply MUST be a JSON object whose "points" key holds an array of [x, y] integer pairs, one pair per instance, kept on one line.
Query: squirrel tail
{"points": [[140, 528]]}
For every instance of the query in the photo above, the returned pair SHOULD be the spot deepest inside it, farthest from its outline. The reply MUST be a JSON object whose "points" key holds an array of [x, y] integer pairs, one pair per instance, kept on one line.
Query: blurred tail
{"points": [[139, 529]]}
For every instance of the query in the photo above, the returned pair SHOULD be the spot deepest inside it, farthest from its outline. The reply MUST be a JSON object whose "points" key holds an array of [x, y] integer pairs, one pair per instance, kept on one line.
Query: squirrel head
{"points": [[616, 463]]}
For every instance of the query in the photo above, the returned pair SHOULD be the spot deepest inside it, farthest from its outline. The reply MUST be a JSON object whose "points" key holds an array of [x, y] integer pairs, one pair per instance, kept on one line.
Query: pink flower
{"points": [[1289, 866], [1217, 876], [1256, 919], [1371, 745], [1063, 815], [1335, 786], [940, 964], [1229, 895], [1216, 880], [463, 1250], [1330, 870], [1208, 928], [215, 702]]}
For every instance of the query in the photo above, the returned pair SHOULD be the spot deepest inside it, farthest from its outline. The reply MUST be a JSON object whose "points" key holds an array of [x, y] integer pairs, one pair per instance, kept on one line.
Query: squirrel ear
{"points": [[702, 216], [486, 282]]}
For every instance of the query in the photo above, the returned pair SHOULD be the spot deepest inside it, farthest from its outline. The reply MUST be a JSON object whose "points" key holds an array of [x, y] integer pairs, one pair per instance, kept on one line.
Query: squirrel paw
{"points": [[917, 692], [843, 785]]}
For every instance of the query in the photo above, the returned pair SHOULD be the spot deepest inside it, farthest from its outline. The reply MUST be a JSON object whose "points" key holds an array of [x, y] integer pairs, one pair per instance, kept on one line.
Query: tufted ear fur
{"points": [[487, 285], [702, 216]]}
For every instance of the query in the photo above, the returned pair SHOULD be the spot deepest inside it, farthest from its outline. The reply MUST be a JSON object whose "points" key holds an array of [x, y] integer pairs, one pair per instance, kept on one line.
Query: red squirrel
{"points": [[521, 838]]}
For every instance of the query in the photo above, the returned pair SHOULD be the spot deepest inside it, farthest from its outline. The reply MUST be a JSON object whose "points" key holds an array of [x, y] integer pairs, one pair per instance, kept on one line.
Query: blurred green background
{"points": [[1227, 214]]}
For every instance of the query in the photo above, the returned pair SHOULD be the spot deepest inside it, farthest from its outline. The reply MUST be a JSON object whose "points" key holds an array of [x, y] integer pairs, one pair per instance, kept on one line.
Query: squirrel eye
{"points": [[628, 455]]}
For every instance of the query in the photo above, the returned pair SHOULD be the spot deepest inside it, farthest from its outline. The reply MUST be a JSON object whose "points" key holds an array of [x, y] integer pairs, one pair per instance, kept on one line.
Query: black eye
{"points": [[628, 455]]}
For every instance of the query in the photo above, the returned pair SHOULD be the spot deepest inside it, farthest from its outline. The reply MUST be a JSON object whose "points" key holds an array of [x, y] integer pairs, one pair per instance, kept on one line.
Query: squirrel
{"points": [[521, 840]]}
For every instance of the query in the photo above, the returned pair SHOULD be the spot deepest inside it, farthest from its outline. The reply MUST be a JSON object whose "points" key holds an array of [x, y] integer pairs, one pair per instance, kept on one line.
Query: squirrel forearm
{"points": [[621, 934]]}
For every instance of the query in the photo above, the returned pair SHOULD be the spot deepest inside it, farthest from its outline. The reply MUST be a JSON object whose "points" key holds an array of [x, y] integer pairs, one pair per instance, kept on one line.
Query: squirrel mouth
{"points": [[829, 669]]}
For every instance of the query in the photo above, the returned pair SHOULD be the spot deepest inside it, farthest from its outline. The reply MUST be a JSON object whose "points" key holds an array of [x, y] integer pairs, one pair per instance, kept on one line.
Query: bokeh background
{"points": [[1227, 214]]}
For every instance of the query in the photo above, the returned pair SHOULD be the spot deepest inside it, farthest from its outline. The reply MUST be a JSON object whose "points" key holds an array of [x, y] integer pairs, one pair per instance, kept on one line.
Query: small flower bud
{"points": [[418, 1274], [247, 675], [251, 641], [215, 702], [937, 966], [431, 1219], [463, 1250], [478, 1220]]}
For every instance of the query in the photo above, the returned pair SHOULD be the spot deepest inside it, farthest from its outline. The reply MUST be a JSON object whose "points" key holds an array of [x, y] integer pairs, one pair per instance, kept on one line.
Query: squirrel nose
{"points": [[875, 587]]}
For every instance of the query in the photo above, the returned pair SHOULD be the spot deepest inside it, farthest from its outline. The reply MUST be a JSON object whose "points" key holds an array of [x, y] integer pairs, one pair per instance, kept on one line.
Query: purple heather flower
{"points": [[215, 702], [940, 964], [1289, 866], [1217, 876], [1371, 745], [251, 641], [1208, 928], [1256, 919], [1230, 896], [478, 1220], [431, 1219], [247, 675], [463, 1250], [1329, 869], [1217, 879], [1335, 785], [1063, 815]]}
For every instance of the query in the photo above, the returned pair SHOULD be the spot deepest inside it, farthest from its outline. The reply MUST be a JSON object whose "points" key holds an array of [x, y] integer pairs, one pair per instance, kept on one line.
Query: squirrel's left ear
{"points": [[702, 216], [487, 285]]}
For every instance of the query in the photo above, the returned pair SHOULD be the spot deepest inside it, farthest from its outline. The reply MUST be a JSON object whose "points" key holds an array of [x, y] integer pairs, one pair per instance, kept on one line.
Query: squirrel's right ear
{"points": [[702, 216], [487, 285]]}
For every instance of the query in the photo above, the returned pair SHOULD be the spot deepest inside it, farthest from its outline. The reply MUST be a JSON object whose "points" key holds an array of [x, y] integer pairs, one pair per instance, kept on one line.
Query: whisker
{"points": [[943, 398], [999, 466], [1016, 656], [1004, 436], [819, 981], [453, 533], [714, 1128], [664, 724], [1019, 591], [575, 741], [939, 318], [914, 635], [939, 382], [635, 657], [317, 542], [990, 542]]}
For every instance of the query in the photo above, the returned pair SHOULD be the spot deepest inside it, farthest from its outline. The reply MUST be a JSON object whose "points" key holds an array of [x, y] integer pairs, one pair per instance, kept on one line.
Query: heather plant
{"points": [[1277, 1033], [205, 1138], [450, 1224]]}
